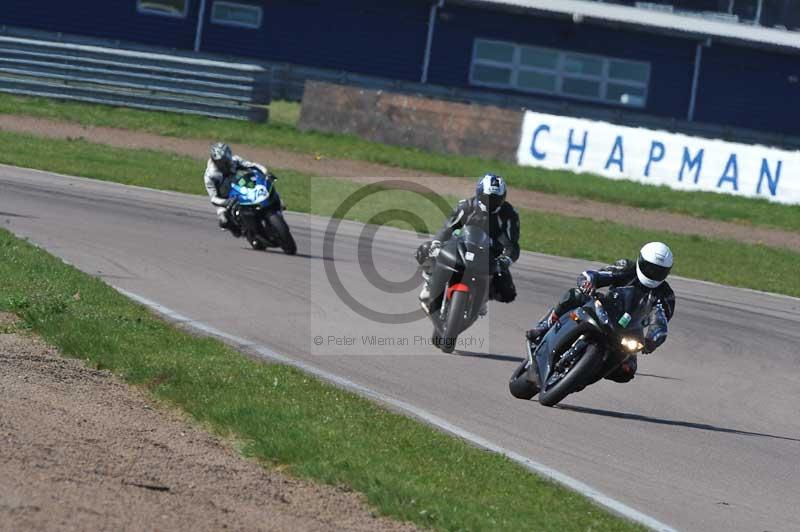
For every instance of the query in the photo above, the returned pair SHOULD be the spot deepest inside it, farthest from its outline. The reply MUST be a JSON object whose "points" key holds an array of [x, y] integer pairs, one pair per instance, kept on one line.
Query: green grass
{"points": [[283, 134], [723, 261], [284, 113], [406, 469]]}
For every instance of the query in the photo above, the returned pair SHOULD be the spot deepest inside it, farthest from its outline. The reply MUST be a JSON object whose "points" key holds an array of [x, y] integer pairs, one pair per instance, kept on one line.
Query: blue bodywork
{"points": [[254, 189]]}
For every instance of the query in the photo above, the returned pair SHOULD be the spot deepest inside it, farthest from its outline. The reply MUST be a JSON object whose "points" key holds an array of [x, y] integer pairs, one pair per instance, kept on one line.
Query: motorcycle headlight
{"points": [[632, 344]]}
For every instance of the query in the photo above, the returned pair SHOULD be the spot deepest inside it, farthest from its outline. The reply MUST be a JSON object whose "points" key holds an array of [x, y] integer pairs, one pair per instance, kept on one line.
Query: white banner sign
{"points": [[659, 158]]}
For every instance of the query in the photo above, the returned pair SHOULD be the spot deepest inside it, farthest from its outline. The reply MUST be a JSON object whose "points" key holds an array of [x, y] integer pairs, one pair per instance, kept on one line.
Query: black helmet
{"points": [[491, 192], [222, 156]]}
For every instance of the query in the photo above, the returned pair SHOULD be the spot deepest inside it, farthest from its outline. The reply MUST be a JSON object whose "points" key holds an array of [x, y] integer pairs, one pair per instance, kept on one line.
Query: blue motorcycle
{"points": [[258, 212]]}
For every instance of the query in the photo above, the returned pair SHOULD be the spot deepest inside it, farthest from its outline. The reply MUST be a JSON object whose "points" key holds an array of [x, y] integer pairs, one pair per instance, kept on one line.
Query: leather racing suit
{"points": [[621, 273], [218, 184], [503, 228]]}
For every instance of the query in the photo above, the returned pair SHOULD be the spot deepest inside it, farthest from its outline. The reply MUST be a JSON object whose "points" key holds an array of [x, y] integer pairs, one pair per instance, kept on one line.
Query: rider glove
{"points": [[503, 262], [587, 282], [652, 341], [427, 250]]}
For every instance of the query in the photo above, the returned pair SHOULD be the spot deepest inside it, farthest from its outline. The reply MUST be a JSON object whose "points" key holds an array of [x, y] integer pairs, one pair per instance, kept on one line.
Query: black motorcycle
{"points": [[258, 212], [584, 346], [461, 275]]}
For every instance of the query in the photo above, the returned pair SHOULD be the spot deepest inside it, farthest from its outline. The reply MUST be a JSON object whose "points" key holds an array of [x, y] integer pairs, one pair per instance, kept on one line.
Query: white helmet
{"points": [[654, 264]]}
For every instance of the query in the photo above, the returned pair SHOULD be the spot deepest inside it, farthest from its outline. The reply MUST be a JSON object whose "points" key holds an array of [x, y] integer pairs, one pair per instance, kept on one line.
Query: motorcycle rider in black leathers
{"points": [[490, 210], [649, 271], [221, 167]]}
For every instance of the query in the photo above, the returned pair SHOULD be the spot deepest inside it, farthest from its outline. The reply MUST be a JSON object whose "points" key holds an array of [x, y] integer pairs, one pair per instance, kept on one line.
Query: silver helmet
{"points": [[222, 156]]}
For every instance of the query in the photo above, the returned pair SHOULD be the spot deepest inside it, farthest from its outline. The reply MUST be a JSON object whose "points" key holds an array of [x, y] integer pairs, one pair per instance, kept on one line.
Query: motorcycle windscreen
{"points": [[632, 301], [252, 191], [475, 249]]}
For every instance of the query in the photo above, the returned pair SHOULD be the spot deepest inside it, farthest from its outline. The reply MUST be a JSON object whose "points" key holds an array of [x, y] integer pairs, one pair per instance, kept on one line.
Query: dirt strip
{"points": [[361, 171], [80, 450]]}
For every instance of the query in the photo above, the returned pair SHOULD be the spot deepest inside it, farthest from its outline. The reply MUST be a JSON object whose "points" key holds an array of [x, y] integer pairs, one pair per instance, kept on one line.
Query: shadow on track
{"points": [[490, 356], [278, 251], [15, 215], [640, 374], [659, 421]]}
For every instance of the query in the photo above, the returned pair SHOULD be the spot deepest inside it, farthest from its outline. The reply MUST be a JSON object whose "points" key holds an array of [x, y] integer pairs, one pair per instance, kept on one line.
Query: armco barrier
{"points": [[134, 78]]}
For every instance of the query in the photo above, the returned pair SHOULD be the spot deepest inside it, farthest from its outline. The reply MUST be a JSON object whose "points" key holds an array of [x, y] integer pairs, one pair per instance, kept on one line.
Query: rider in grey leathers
{"points": [[221, 168]]}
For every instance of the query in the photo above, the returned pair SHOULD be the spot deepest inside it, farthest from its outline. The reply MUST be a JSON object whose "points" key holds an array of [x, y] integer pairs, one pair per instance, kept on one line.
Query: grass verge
{"points": [[282, 133], [406, 469], [722, 261]]}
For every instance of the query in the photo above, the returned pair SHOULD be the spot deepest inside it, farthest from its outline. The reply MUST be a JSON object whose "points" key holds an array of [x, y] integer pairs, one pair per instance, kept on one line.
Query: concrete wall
{"points": [[392, 118]]}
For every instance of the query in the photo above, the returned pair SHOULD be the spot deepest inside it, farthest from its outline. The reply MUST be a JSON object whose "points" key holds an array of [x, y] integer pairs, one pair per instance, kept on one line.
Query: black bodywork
{"points": [[585, 345], [460, 282]]}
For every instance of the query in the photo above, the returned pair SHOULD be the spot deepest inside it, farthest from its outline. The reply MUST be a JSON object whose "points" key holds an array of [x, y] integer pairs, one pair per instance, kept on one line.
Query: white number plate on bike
{"points": [[469, 255]]}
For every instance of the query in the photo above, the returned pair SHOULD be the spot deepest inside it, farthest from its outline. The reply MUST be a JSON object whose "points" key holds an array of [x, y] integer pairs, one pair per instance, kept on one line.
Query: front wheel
{"points": [[580, 373], [285, 237], [519, 385], [454, 321]]}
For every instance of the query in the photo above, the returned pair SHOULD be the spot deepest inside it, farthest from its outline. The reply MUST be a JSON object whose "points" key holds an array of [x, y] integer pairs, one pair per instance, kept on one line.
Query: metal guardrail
{"points": [[134, 78]]}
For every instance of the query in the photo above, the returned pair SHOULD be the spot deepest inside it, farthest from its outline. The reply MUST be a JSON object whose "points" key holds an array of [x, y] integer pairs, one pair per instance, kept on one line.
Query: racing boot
{"points": [[226, 224], [535, 334], [233, 229], [425, 294], [625, 372]]}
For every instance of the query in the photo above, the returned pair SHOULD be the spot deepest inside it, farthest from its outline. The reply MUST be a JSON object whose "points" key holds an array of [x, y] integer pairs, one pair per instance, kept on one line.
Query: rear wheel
{"points": [[580, 373], [285, 237], [519, 385], [454, 321]]}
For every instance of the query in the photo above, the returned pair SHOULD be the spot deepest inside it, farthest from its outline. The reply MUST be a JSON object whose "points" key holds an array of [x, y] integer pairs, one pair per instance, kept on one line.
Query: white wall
{"points": [[659, 158]]}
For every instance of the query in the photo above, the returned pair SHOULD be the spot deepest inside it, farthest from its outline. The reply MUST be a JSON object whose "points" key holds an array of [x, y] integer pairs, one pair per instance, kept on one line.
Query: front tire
{"points": [[579, 374], [519, 385], [455, 320], [285, 237]]}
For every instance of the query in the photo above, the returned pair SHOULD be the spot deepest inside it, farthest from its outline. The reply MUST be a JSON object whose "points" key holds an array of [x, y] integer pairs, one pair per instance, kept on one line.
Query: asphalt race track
{"points": [[706, 438]]}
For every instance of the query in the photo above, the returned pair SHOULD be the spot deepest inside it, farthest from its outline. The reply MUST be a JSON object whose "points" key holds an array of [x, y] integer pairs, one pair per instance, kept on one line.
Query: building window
{"points": [[167, 8], [235, 14], [547, 71]]}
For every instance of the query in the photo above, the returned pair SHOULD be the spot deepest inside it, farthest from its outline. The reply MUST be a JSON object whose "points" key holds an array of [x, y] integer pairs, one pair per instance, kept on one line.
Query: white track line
{"points": [[550, 473]]}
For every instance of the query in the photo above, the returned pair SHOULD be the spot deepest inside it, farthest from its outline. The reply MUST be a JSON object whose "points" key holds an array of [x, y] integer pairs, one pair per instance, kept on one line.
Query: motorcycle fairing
{"points": [[560, 337], [253, 189]]}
